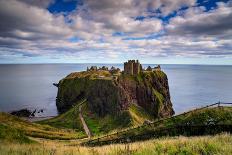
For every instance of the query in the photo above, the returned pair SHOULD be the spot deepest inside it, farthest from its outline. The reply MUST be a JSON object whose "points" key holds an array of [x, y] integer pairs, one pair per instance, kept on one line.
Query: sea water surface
{"points": [[30, 85]]}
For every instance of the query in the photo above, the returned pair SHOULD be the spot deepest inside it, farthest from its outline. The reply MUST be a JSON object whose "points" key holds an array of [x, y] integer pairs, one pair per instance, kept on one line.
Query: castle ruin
{"points": [[132, 67], [157, 68]]}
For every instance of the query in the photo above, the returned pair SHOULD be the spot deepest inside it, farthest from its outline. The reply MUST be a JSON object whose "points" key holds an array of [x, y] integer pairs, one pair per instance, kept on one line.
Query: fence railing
{"points": [[190, 130], [152, 124]]}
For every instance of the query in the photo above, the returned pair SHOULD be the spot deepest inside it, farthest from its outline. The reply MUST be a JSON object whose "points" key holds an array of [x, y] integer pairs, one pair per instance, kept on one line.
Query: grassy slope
{"points": [[219, 144], [133, 117], [11, 135], [69, 120], [12, 130], [106, 124], [35, 130], [216, 115], [138, 115]]}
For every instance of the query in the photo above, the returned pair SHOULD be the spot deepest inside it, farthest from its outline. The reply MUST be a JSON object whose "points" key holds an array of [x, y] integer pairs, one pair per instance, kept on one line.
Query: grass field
{"points": [[207, 145], [26, 128], [135, 116], [215, 115], [99, 126], [68, 120], [57, 136]]}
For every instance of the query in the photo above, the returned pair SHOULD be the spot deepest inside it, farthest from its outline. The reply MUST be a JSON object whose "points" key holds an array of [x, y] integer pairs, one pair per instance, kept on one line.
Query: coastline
{"points": [[35, 119]]}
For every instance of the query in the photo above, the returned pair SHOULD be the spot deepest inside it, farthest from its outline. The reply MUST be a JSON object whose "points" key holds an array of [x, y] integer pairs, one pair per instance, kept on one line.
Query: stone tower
{"points": [[132, 67]]}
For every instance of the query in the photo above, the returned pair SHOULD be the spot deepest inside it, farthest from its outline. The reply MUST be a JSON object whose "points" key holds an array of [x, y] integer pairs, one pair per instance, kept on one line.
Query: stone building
{"points": [[92, 68], [157, 67], [153, 69], [114, 70], [104, 68], [149, 68], [132, 67]]}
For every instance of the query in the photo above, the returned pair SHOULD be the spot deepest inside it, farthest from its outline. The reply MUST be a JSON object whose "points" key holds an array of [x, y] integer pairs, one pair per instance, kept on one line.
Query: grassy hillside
{"points": [[12, 135], [21, 137], [24, 128], [193, 123], [139, 115], [68, 120], [135, 116], [207, 145]]}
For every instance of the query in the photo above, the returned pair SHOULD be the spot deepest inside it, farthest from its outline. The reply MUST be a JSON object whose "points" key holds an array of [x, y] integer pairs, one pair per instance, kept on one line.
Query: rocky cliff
{"points": [[111, 94]]}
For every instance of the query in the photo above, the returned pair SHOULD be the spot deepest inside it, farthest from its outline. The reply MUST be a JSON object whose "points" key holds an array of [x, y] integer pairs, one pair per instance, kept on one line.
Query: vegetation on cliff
{"points": [[69, 120], [134, 116], [77, 86], [111, 94]]}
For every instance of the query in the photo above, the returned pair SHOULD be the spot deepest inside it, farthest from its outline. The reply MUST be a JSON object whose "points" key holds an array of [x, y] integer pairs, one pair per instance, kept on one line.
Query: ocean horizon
{"points": [[31, 85]]}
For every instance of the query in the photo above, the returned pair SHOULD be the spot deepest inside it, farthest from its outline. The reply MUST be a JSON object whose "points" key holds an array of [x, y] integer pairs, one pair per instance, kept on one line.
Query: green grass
{"points": [[159, 73], [101, 125], [69, 119], [139, 115], [89, 74], [12, 135], [134, 116], [216, 115], [205, 145], [37, 130], [160, 101]]}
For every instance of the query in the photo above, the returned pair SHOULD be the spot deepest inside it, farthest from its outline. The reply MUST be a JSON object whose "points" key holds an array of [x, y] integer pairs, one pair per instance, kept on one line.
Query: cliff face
{"points": [[149, 90], [108, 95]]}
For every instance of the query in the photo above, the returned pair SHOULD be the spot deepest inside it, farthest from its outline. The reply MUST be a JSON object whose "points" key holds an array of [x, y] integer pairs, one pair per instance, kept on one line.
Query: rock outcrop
{"points": [[109, 95], [24, 113]]}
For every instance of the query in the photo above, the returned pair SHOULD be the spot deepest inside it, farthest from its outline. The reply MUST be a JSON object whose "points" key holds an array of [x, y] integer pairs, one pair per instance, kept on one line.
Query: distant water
{"points": [[30, 86]]}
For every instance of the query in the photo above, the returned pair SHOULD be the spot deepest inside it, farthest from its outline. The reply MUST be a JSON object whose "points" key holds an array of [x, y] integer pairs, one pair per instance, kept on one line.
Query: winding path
{"points": [[87, 131]]}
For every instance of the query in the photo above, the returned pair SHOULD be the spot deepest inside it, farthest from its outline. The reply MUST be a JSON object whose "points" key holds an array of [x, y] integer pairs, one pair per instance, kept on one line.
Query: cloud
{"points": [[23, 21], [196, 21], [39, 3], [168, 6], [28, 29]]}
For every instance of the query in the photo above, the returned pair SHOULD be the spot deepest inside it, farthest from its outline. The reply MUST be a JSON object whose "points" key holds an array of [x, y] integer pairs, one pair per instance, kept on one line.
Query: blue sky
{"points": [[109, 31]]}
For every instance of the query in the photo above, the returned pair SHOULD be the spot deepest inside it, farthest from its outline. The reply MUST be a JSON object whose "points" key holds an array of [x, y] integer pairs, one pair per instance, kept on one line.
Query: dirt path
{"points": [[87, 131]]}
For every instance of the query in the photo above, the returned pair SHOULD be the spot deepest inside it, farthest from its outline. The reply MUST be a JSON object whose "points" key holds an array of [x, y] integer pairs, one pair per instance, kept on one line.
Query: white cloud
{"points": [[29, 30], [195, 21], [168, 6], [22, 20]]}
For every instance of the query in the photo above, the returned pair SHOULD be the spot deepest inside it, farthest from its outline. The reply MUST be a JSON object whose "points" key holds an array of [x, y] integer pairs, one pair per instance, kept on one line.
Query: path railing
{"points": [[152, 124]]}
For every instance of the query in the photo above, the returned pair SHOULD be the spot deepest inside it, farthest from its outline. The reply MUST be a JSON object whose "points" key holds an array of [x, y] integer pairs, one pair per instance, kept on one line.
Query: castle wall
{"points": [[128, 68], [136, 68], [132, 67]]}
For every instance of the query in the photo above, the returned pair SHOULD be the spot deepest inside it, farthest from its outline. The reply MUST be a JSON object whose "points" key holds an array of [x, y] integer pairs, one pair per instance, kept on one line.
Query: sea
{"points": [[31, 85]]}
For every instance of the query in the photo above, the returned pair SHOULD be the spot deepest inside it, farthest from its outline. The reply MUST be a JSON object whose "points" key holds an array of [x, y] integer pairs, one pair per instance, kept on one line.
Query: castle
{"points": [[132, 67], [158, 68]]}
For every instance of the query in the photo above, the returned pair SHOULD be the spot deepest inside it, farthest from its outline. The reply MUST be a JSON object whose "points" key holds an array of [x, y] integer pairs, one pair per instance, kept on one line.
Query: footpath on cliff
{"points": [[87, 131]]}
